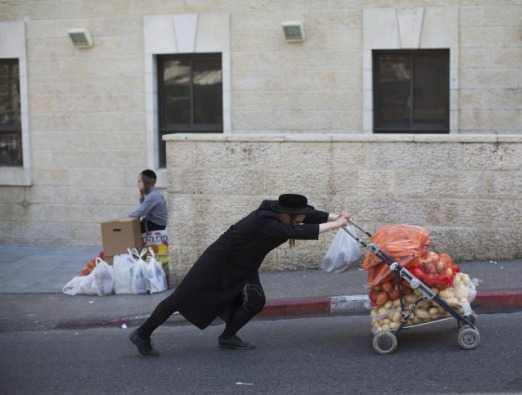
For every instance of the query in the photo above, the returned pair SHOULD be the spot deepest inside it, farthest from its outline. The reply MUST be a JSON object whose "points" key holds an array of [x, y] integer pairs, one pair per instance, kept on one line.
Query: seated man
{"points": [[153, 208]]}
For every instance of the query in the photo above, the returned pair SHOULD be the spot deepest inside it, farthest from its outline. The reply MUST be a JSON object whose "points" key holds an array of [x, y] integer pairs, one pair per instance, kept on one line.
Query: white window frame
{"points": [[12, 46], [182, 34]]}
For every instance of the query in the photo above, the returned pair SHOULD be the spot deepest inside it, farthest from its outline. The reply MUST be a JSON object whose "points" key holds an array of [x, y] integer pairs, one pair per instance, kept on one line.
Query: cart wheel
{"points": [[471, 318], [385, 343], [468, 338]]}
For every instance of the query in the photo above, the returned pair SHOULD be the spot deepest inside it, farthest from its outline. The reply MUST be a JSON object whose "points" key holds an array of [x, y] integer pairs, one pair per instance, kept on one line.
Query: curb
{"points": [[498, 301], [486, 302]]}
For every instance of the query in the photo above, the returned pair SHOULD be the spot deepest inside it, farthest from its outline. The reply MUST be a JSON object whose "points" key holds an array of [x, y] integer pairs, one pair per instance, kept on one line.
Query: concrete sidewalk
{"points": [[25, 269], [34, 270], [31, 280]]}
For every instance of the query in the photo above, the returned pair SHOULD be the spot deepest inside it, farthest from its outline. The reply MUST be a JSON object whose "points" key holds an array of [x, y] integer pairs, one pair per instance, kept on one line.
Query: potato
{"points": [[382, 298], [396, 303], [422, 314], [387, 286], [434, 312], [453, 301], [396, 317], [463, 278], [394, 326], [461, 293], [385, 327], [388, 304], [447, 293], [441, 266], [411, 298]]}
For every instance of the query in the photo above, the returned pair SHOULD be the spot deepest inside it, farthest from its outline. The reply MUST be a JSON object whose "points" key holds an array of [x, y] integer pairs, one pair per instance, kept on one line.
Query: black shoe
{"points": [[144, 345], [234, 343]]}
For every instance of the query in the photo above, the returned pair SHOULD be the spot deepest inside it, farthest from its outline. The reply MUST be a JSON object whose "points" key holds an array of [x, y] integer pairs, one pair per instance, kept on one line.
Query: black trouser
{"points": [[147, 226], [252, 301]]}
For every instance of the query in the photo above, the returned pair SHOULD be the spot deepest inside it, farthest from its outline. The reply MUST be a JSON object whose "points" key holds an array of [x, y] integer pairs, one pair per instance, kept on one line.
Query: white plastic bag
{"points": [[99, 282], [139, 284], [123, 271], [343, 251], [103, 278], [473, 289], [80, 285], [155, 275]]}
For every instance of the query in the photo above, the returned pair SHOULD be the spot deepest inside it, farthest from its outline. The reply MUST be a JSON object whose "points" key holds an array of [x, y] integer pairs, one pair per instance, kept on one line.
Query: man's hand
{"points": [[341, 221], [345, 215], [335, 217]]}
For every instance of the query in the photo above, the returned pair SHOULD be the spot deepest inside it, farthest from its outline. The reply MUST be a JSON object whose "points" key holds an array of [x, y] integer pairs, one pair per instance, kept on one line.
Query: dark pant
{"points": [[251, 302], [147, 226]]}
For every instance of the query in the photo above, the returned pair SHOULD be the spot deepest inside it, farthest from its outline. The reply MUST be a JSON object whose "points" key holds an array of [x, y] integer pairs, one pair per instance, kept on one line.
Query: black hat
{"points": [[292, 204]]}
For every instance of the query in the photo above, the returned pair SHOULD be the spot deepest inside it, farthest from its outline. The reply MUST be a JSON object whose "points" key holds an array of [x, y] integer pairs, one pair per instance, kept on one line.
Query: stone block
{"points": [[432, 35], [159, 34], [488, 14], [11, 211], [410, 23], [481, 78], [13, 41], [213, 33], [412, 156], [96, 177], [490, 120], [491, 37], [380, 28], [56, 177], [10, 195]]}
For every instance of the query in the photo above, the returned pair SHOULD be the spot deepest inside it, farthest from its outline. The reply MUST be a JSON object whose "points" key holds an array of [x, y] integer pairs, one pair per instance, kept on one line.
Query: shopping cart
{"points": [[386, 342]]}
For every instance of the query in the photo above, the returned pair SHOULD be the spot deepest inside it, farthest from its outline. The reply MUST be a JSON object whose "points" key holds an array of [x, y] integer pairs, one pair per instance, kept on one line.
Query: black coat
{"points": [[215, 281]]}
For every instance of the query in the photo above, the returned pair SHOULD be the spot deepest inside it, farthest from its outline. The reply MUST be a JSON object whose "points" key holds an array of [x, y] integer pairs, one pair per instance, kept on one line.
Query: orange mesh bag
{"points": [[436, 270], [407, 244]]}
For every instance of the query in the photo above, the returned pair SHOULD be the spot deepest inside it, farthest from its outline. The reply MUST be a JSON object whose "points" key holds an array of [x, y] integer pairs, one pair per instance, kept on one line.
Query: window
{"points": [[411, 91], [10, 121], [190, 95]]}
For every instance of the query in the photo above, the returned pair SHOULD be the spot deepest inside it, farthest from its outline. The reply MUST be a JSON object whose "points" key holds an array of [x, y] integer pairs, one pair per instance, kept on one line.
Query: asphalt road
{"points": [[305, 356]]}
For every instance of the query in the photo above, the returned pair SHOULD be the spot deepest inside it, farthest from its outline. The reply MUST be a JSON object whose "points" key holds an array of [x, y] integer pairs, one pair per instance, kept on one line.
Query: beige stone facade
{"points": [[91, 119], [464, 188]]}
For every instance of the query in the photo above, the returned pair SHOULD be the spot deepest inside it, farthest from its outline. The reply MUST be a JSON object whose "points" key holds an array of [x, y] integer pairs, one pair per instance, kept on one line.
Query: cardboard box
{"points": [[121, 234]]}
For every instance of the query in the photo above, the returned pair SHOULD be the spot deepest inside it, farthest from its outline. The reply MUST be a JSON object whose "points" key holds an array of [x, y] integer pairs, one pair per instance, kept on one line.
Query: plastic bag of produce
{"points": [[386, 317], [138, 277], [103, 277], [158, 240], [80, 285], [147, 274], [343, 251], [463, 292], [154, 274], [123, 270], [405, 243], [98, 282], [388, 290]]}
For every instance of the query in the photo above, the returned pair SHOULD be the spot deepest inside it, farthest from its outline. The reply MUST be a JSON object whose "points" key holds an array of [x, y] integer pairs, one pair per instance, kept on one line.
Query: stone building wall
{"points": [[466, 189], [87, 109]]}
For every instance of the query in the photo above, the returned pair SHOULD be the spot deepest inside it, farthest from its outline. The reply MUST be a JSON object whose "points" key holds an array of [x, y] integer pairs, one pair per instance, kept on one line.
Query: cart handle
{"points": [[360, 228]]}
